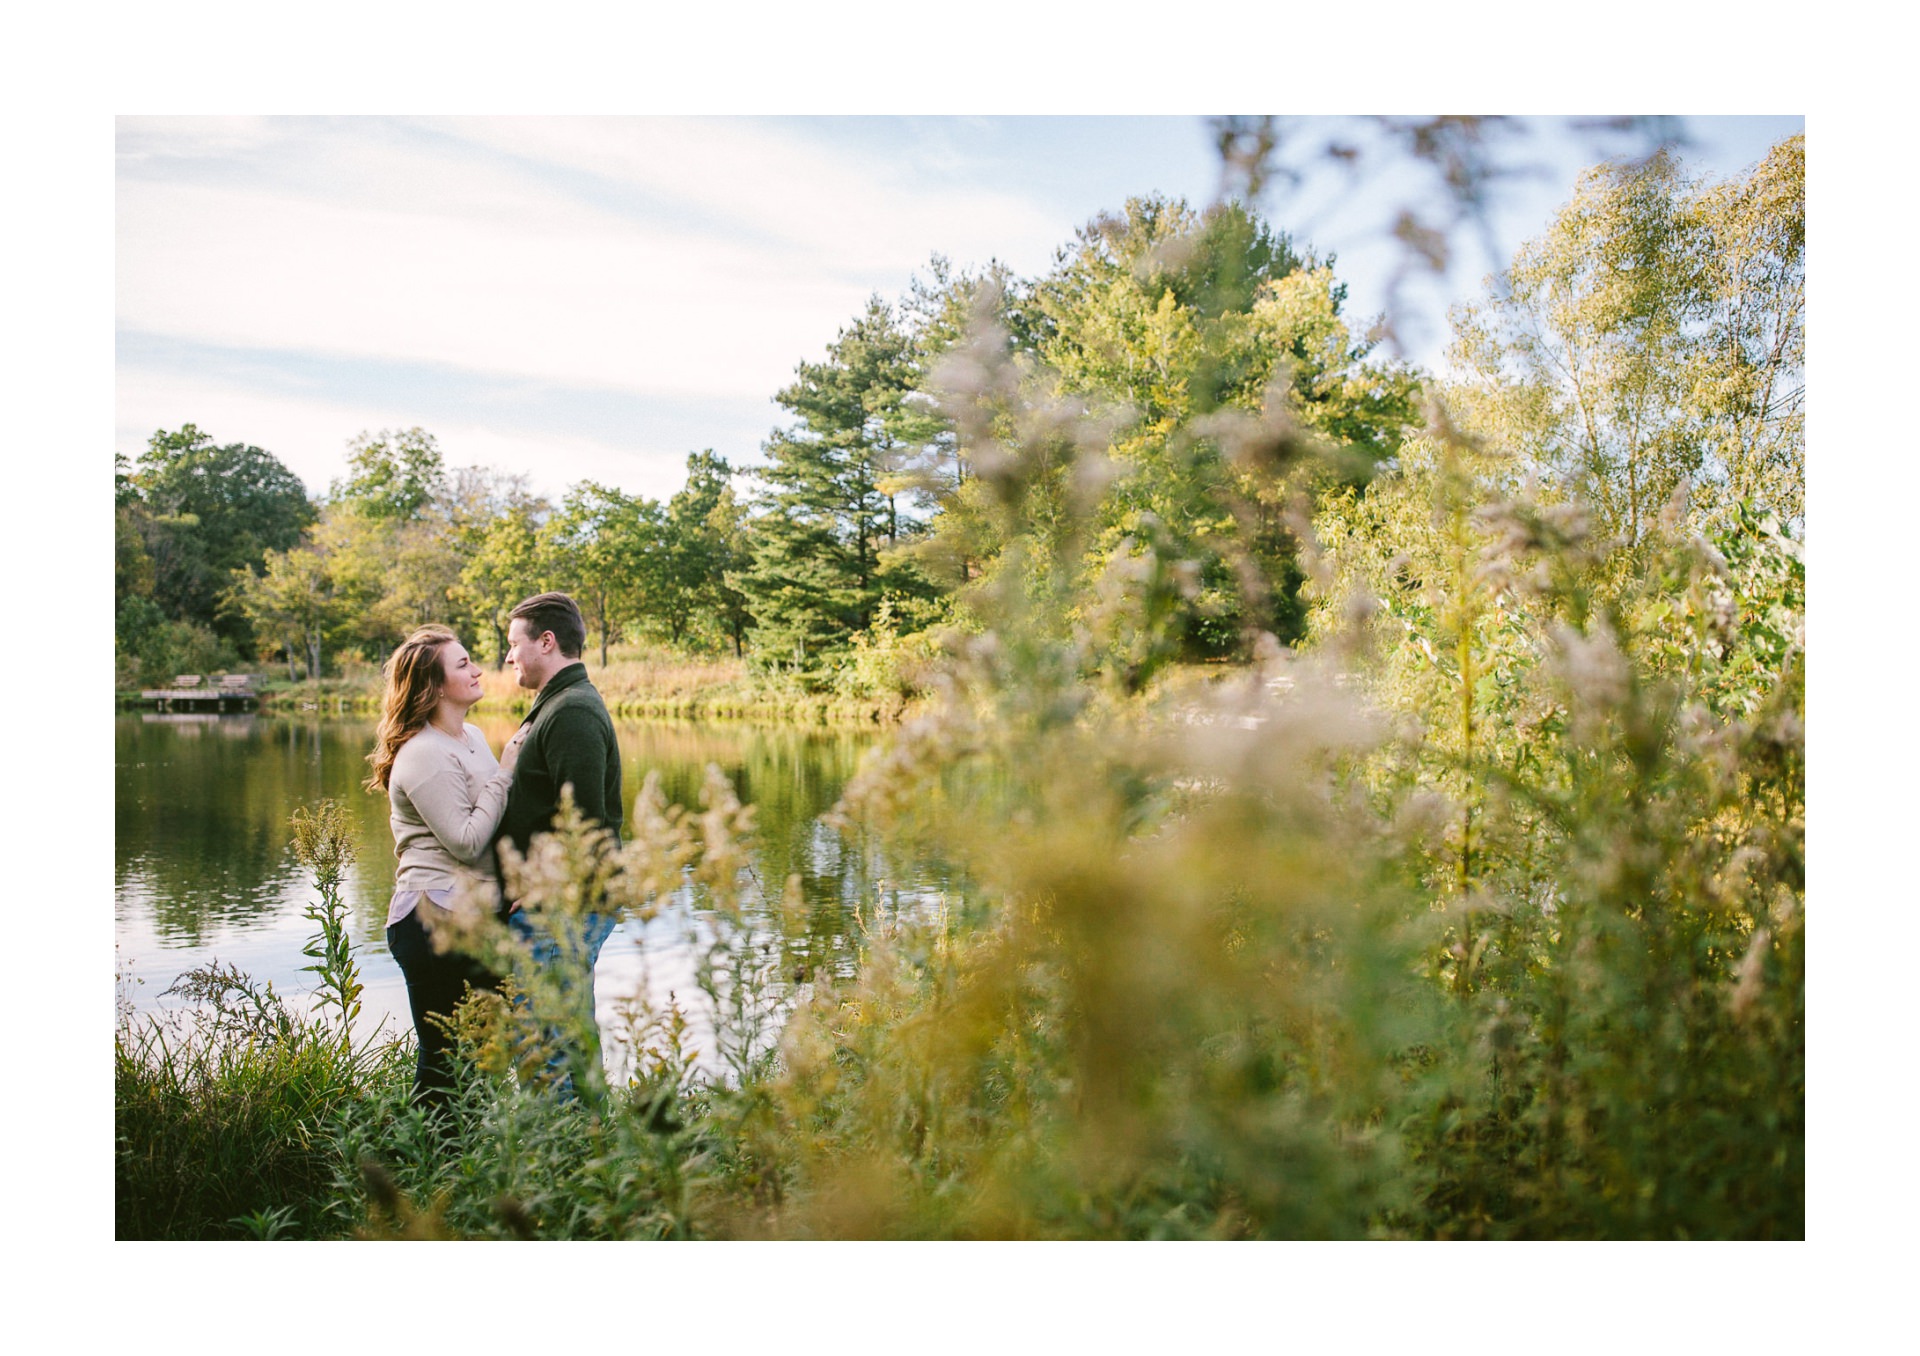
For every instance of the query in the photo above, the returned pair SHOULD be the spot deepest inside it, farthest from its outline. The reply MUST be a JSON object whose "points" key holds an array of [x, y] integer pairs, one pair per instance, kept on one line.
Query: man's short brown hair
{"points": [[557, 613]]}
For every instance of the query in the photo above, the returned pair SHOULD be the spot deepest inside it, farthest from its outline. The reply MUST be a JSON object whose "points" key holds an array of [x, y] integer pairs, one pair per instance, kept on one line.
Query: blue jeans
{"points": [[549, 954]]}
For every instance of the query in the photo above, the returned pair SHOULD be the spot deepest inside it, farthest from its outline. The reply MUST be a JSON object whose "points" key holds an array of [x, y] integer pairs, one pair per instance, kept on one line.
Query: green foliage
{"points": [[211, 1128], [627, 1162], [1604, 700], [186, 516], [705, 544], [297, 601], [886, 663], [392, 475], [499, 533], [1165, 1011], [151, 649], [1654, 337], [1183, 325], [606, 548], [1751, 357], [867, 494]]}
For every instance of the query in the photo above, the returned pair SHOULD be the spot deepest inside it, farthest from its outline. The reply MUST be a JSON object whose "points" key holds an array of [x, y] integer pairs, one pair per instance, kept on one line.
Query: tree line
{"points": [[222, 557]]}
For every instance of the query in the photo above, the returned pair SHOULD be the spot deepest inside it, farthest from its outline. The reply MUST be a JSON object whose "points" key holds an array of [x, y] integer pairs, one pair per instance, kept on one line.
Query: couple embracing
{"points": [[453, 803]]}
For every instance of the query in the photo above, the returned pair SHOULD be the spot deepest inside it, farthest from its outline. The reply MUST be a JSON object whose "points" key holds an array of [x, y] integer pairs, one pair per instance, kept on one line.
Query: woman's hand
{"points": [[511, 753]]}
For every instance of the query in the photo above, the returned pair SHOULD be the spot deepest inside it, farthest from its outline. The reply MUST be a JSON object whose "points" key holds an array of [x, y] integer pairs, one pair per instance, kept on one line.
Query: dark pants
{"points": [[436, 982]]}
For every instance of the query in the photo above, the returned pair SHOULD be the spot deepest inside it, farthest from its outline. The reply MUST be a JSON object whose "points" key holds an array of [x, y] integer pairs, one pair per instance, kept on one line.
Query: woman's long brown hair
{"points": [[412, 690]]}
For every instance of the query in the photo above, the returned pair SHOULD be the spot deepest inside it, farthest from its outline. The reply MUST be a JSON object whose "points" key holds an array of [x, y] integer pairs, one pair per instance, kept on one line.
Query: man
{"points": [[566, 740]]}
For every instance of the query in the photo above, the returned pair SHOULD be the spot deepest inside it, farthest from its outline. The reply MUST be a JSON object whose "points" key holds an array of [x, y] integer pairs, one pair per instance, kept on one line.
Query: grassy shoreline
{"points": [[637, 684]]}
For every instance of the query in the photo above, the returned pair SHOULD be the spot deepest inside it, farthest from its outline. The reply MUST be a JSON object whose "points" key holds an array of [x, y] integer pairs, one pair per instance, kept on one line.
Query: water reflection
{"points": [[203, 870]]}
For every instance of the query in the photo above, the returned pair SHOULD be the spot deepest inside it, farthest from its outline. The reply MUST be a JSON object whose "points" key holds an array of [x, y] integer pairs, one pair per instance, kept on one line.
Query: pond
{"points": [[203, 869]]}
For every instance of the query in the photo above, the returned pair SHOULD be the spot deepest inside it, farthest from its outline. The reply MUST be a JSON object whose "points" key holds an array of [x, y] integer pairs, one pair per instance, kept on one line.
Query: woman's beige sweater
{"points": [[446, 796]]}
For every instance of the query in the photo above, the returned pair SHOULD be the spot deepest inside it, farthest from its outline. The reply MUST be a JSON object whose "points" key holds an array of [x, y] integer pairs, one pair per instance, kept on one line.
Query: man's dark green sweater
{"points": [[569, 741]]}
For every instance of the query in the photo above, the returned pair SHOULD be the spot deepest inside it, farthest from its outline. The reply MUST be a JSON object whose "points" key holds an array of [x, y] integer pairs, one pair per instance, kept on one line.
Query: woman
{"points": [[447, 793]]}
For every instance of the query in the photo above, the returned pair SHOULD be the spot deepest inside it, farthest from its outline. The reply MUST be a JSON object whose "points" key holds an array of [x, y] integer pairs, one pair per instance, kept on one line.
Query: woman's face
{"points": [[459, 675]]}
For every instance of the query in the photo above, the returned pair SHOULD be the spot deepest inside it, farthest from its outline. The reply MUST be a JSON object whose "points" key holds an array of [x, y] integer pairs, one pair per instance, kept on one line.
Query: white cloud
{"points": [[434, 243], [145, 139], [840, 210], [600, 305]]}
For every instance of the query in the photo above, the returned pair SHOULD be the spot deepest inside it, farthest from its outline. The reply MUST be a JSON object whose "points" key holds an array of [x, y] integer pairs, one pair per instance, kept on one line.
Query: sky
{"points": [[596, 297]]}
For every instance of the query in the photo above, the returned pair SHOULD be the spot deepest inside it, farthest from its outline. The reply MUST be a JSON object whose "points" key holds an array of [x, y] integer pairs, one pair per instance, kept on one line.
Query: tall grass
{"points": [[636, 676], [225, 1111], [876, 685]]}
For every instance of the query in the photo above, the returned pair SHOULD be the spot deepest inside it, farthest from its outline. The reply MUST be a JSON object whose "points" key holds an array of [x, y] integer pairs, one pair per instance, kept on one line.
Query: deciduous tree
{"points": [[295, 600], [207, 510], [1191, 324], [1653, 338], [704, 543], [395, 475], [605, 546], [504, 562]]}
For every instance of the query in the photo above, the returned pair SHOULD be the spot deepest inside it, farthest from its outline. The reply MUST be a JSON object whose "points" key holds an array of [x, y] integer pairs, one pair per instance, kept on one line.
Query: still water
{"points": [[203, 870]]}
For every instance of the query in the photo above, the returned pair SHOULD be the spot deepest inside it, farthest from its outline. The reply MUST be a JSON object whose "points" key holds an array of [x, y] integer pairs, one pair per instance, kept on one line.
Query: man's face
{"points": [[531, 657]]}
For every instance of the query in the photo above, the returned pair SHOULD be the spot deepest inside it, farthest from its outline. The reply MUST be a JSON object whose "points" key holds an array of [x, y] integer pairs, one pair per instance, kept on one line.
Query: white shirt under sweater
{"points": [[446, 796]]}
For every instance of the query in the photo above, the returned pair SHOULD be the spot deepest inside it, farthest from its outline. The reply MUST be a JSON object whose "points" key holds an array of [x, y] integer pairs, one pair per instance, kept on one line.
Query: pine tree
{"points": [[826, 548]]}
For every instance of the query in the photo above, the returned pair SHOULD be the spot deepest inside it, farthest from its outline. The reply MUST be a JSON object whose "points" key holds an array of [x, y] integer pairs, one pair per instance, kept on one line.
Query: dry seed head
{"points": [[1093, 472], [725, 825], [1747, 981], [565, 871], [793, 901], [1297, 517], [1495, 573], [1423, 817], [1270, 440], [1592, 666], [380, 1186], [469, 922], [514, 1215], [1784, 728], [1673, 514], [654, 859]]}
